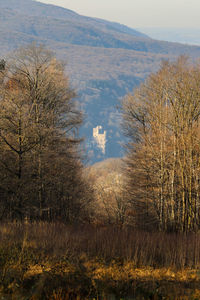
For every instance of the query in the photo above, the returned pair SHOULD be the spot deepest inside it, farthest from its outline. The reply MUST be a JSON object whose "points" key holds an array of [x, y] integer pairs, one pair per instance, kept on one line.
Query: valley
{"points": [[104, 61]]}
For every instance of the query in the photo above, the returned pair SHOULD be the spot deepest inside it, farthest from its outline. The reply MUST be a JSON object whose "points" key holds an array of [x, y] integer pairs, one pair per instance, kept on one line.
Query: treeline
{"points": [[162, 121], [40, 159], [41, 173]]}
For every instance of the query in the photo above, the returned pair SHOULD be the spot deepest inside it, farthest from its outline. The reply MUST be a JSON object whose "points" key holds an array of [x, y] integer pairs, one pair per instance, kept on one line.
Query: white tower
{"points": [[100, 138]]}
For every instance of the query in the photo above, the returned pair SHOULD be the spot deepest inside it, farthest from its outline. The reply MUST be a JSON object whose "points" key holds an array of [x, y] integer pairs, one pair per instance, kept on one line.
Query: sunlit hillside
{"points": [[105, 60]]}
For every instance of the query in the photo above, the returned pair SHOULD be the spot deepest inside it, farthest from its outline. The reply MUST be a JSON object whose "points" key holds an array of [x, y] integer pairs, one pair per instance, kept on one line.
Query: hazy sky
{"points": [[139, 13]]}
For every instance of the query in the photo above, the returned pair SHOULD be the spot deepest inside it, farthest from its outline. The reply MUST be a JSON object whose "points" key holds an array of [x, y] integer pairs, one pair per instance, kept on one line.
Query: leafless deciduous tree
{"points": [[41, 170], [161, 120]]}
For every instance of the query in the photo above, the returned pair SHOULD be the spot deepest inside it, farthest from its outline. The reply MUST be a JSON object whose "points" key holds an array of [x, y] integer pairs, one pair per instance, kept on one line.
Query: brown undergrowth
{"points": [[55, 261]]}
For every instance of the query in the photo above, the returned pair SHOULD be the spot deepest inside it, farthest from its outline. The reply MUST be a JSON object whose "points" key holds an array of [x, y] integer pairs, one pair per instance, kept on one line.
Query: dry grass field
{"points": [[56, 261]]}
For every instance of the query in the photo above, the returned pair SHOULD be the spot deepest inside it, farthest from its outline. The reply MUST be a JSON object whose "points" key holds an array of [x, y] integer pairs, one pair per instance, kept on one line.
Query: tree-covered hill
{"points": [[105, 60]]}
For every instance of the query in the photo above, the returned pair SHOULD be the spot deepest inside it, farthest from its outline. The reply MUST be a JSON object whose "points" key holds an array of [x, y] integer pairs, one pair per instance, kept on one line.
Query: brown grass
{"points": [[55, 261]]}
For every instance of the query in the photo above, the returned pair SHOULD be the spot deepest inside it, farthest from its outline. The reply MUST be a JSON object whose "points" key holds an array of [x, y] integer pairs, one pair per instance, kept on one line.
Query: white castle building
{"points": [[100, 138]]}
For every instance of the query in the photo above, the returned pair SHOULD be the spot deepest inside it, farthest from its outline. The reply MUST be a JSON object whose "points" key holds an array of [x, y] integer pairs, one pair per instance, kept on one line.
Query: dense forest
{"points": [[121, 229]]}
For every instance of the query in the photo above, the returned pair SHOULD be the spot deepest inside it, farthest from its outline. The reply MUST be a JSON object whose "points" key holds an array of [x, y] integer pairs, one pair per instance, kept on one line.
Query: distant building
{"points": [[100, 138]]}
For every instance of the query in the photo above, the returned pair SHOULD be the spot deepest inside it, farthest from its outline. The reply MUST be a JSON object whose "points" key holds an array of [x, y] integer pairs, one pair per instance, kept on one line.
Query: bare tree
{"points": [[162, 122], [39, 120]]}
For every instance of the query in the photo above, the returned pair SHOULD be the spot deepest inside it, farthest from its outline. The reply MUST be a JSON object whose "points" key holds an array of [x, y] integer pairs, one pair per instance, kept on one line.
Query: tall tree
{"points": [[39, 121], [162, 122]]}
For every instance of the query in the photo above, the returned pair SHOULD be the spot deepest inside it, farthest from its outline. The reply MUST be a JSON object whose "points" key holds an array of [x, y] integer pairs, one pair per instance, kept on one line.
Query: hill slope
{"points": [[182, 35], [105, 60]]}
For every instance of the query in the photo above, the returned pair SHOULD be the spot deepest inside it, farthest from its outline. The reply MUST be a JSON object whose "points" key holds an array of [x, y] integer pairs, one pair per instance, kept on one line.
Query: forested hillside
{"points": [[119, 228], [105, 60]]}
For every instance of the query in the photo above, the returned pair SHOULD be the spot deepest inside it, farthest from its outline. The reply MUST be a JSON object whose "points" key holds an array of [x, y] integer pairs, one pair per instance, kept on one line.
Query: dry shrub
{"points": [[155, 249]]}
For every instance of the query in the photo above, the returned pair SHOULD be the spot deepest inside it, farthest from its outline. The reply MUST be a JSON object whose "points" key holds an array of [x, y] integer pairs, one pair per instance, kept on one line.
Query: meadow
{"points": [[57, 261]]}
